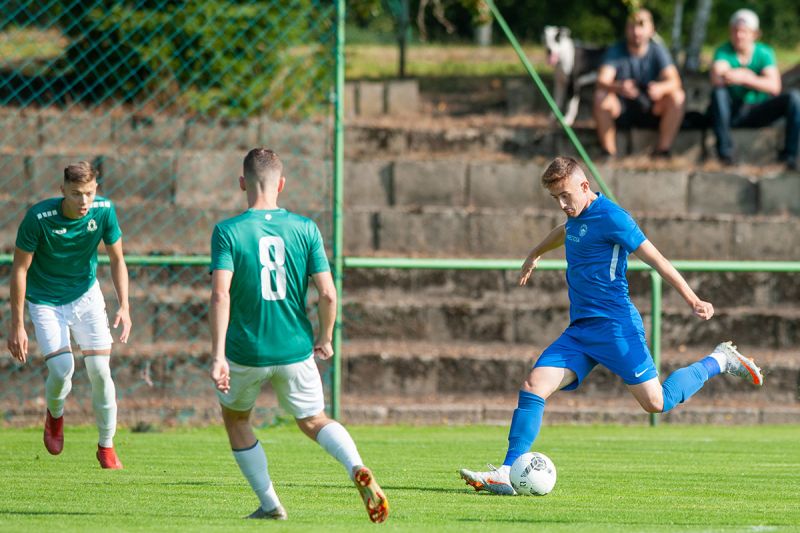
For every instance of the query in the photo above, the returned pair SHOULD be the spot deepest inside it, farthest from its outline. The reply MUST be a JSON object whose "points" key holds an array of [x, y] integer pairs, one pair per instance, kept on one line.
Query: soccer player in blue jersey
{"points": [[605, 328], [54, 270], [261, 261]]}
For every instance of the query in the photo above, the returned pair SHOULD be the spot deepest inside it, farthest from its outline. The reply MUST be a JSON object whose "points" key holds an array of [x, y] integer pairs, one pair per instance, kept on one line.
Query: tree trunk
{"points": [[483, 34], [698, 35]]}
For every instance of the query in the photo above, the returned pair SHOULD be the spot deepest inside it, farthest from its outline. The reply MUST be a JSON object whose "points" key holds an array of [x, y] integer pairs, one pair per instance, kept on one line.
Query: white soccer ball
{"points": [[533, 474]]}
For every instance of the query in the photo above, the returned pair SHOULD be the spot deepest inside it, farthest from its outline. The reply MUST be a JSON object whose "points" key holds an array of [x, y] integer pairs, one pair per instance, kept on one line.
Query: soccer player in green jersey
{"points": [[54, 270], [261, 261]]}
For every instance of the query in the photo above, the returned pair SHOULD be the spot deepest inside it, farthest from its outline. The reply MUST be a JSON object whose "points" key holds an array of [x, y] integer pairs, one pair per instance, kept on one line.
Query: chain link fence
{"points": [[165, 97]]}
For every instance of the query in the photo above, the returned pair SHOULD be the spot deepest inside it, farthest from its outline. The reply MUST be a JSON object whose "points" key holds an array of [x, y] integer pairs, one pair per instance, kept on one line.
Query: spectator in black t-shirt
{"points": [[638, 85]]}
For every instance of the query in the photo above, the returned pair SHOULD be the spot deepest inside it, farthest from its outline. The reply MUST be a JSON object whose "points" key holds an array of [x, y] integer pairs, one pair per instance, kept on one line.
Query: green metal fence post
{"points": [[655, 327], [338, 213]]}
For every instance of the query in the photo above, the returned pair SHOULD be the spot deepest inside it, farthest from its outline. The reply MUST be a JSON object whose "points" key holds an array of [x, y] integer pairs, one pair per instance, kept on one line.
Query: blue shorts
{"points": [[589, 341]]}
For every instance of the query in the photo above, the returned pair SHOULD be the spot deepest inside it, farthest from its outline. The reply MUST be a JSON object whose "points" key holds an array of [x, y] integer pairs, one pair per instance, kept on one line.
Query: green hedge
{"points": [[215, 57]]}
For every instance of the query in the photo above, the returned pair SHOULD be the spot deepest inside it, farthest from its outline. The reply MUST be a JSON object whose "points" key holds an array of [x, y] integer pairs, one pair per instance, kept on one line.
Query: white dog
{"points": [[575, 65]]}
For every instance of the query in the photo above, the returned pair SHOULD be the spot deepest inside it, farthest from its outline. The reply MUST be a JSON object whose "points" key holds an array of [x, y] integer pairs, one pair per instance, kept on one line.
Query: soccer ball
{"points": [[533, 474]]}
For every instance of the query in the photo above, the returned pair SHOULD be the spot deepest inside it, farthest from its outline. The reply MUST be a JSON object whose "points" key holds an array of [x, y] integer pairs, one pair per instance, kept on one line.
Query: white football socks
{"points": [[104, 399], [722, 360], [335, 440], [253, 464], [59, 382]]}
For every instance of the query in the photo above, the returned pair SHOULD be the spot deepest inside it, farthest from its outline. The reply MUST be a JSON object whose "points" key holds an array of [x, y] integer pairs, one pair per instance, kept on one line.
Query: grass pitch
{"points": [[610, 478]]}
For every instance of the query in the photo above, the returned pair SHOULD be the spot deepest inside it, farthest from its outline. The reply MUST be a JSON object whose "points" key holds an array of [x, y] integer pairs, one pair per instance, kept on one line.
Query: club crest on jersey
{"points": [[92, 225], [582, 231]]}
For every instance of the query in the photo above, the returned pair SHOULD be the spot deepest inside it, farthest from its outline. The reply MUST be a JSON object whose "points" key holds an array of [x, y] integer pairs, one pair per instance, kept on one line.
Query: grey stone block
{"points": [[402, 97], [151, 131], [435, 414], [752, 146], [14, 177], [308, 184], [540, 326], [385, 374], [780, 415], [521, 96], [294, 139], [425, 183], [688, 143], [222, 134], [433, 233], [651, 191], [359, 231], [766, 240], [780, 194], [76, 130], [370, 98], [368, 183], [365, 142], [19, 130], [349, 100], [501, 184], [504, 234], [209, 179], [145, 175], [716, 192], [683, 238]]}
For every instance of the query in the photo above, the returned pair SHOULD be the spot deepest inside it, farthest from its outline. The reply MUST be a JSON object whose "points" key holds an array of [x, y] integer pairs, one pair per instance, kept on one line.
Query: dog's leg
{"points": [[571, 112]]}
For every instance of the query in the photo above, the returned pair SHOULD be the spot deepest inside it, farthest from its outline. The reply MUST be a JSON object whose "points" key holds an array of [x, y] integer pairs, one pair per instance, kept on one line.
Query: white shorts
{"points": [[85, 317], [298, 387]]}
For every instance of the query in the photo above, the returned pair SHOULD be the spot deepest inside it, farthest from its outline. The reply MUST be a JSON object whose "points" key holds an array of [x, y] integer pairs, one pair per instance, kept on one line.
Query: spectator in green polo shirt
{"points": [[747, 90]]}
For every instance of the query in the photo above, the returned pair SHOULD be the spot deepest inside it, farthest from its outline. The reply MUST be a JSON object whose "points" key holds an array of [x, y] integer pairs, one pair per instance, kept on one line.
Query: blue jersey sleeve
{"points": [[661, 56], [317, 259], [221, 251], [624, 231], [29, 233], [613, 54]]}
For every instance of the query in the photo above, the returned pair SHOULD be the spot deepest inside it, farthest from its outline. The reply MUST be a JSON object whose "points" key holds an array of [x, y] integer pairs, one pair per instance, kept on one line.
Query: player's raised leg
{"points": [[683, 383], [252, 461], [60, 367]]}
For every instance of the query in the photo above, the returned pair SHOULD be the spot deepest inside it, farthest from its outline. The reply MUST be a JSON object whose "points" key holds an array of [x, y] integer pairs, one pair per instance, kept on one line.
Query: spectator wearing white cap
{"points": [[747, 90]]}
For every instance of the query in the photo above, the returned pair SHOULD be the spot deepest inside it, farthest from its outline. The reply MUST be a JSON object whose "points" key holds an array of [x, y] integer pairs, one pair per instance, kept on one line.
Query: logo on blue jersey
{"points": [[583, 230]]}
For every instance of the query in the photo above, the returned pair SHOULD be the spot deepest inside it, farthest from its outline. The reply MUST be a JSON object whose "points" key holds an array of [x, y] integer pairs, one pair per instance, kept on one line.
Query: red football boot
{"points": [[53, 433], [108, 458]]}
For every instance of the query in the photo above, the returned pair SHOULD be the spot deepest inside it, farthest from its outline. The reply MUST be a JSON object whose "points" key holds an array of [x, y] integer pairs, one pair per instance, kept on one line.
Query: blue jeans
{"points": [[727, 113]]}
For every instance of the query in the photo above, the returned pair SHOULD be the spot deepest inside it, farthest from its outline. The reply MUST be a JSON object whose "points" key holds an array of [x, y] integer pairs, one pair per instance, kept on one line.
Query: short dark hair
{"points": [[558, 170], [262, 164], [80, 172]]}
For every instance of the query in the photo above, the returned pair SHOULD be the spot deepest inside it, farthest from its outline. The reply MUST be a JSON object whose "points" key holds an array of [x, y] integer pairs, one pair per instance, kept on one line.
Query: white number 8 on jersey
{"points": [[270, 265]]}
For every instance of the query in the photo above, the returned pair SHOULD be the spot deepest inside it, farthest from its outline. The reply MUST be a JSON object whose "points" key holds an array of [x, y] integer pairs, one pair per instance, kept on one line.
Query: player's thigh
{"points": [[545, 380], [626, 355], [50, 327], [90, 322], [245, 385], [299, 388], [649, 394], [567, 353]]}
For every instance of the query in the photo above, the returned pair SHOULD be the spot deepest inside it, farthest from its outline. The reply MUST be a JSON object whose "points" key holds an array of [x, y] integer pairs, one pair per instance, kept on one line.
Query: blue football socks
{"points": [[525, 425], [684, 382]]}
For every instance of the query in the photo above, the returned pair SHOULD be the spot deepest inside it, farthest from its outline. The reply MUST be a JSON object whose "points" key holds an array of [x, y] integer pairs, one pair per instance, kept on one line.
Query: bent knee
{"points": [[653, 405]]}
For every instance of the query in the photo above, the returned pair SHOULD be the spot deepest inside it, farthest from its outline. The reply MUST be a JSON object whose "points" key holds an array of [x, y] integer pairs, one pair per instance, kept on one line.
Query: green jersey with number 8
{"points": [[271, 253]]}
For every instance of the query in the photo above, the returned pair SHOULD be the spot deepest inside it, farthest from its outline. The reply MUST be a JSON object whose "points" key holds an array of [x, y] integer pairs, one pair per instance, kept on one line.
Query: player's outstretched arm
{"points": [[119, 276], [650, 255], [553, 240], [218, 316], [18, 337], [326, 311]]}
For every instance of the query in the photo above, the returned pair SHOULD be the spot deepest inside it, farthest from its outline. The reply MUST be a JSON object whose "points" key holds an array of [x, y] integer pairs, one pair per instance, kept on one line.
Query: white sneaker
{"points": [[279, 513], [738, 365], [494, 481]]}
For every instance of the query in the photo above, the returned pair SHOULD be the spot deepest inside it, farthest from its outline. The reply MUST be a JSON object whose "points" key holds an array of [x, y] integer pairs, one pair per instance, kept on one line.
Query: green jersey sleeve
{"points": [[29, 233], [112, 231], [317, 258], [221, 250]]}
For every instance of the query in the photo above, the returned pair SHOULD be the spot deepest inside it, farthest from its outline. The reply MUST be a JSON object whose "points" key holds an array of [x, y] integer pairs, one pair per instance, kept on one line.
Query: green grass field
{"points": [[668, 478]]}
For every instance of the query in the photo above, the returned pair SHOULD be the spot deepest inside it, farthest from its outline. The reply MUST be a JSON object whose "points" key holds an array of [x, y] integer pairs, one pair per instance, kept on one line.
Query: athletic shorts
{"points": [[591, 341], [85, 317], [298, 387]]}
